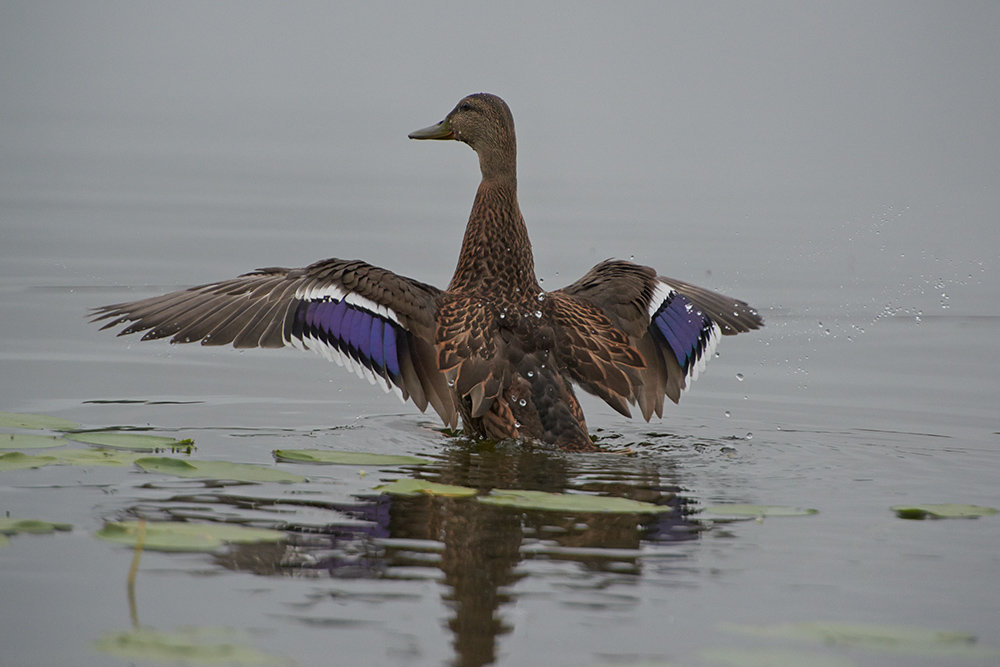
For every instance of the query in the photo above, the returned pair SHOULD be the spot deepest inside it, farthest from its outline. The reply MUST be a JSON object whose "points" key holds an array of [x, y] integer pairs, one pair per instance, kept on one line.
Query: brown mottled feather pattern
{"points": [[493, 348]]}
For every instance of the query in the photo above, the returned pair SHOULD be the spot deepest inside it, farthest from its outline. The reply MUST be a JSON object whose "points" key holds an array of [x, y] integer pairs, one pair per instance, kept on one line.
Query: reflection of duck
{"points": [[477, 552], [493, 348]]}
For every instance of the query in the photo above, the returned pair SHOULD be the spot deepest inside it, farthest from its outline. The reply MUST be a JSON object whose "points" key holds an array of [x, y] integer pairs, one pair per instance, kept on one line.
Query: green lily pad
{"points": [[942, 511], [193, 646], [569, 502], [758, 657], [220, 470], [36, 422], [97, 457], [73, 457], [19, 461], [183, 536], [35, 526], [30, 441], [137, 442], [739, 511], [905, 640], [413, 487], [327, 456]]}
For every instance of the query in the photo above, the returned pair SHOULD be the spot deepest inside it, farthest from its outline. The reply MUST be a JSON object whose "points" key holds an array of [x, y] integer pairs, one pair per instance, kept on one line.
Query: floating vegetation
{"points": [[331, 457], [73, 457], [19, 461], [414, 487], [30, 441], [569, 502], [189, 646], [216, 470], [900, 639], [36, 422], [184, 536], [743, 512], [762, 657], [10, 526], [942, 511], [96, 457], [137, 442]]}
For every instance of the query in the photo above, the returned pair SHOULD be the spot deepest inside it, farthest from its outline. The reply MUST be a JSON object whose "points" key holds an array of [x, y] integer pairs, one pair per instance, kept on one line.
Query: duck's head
{"points": [[485, 123]]}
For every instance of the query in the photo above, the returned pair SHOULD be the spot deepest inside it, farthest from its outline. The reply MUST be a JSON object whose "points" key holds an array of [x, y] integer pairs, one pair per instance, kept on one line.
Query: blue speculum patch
{"points": [[684, 328], [366, 337]]}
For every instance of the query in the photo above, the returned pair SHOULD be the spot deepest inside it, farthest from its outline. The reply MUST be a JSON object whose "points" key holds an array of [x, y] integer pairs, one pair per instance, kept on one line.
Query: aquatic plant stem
{"points": [[133, 571]]}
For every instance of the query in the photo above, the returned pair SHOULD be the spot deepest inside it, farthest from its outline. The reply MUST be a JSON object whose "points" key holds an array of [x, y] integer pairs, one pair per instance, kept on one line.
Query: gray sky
{"points": [[831, 109], [755, 94]]}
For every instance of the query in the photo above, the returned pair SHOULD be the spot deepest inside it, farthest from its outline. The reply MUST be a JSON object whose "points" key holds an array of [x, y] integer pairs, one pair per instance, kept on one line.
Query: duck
{"points": [[493, 350]]}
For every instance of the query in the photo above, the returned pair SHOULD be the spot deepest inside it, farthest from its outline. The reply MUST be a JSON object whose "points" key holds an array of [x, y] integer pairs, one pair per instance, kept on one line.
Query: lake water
{"points": [[860, 394], [848, 193]]}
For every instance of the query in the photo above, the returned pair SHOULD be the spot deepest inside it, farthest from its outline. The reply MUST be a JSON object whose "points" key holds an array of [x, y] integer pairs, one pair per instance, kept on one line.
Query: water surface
{"points": [[873, 384]]}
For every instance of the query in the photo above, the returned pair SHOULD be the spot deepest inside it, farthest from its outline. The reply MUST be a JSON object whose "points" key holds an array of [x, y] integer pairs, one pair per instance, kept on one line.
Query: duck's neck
{"points": [[496, 251]]}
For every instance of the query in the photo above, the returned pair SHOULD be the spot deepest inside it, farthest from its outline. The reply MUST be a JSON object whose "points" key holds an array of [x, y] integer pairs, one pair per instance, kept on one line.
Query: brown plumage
{"points": [[493, 348]]}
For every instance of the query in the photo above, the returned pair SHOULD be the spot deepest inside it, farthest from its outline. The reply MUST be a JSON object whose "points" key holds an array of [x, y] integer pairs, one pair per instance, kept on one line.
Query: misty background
{"points": [[834, 164], [776, 143]]}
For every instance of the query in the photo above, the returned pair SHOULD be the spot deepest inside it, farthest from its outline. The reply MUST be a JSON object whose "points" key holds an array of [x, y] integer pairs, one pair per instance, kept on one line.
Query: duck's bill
{"points": [[441, 130]]}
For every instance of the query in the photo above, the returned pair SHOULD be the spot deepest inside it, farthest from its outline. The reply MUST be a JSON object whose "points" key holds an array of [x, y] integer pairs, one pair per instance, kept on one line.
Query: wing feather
{"points": [[672, 325], [368, 319]]}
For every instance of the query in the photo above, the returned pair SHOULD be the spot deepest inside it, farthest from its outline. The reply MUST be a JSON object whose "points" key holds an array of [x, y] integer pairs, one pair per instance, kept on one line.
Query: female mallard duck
{"points": [[494, 347]]}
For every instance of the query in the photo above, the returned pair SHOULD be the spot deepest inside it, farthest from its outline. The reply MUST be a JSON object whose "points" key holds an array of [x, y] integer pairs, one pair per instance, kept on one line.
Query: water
{"points": [[873, 384]]}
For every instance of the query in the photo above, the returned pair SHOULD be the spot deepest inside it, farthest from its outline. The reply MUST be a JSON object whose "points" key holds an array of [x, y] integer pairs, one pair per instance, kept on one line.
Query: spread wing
{"points": [[372, 321], [674, 326]]}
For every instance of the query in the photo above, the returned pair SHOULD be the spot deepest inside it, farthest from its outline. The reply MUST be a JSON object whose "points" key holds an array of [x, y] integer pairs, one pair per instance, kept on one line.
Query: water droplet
{"points": [[739, 376], [541, 296], [538, 313], [749, 436], [522, 402], [728, 414], [530, 374]]}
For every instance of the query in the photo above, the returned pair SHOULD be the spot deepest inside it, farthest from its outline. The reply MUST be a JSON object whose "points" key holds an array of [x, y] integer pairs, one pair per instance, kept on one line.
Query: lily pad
{"points": [[97, 457], [30, 441], [739, 511], [183, 536], [942, 511], [414, 487], [35, 526], [761, 657], [137, 442], [327, 456], [19, 461], [36, 422], [906, 640], [193, 646], [569, 502], [220, 470]]}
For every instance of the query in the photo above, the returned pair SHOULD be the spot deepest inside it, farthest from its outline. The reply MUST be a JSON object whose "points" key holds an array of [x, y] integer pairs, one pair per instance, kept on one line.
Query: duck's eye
{"points": [[465, 106]]}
